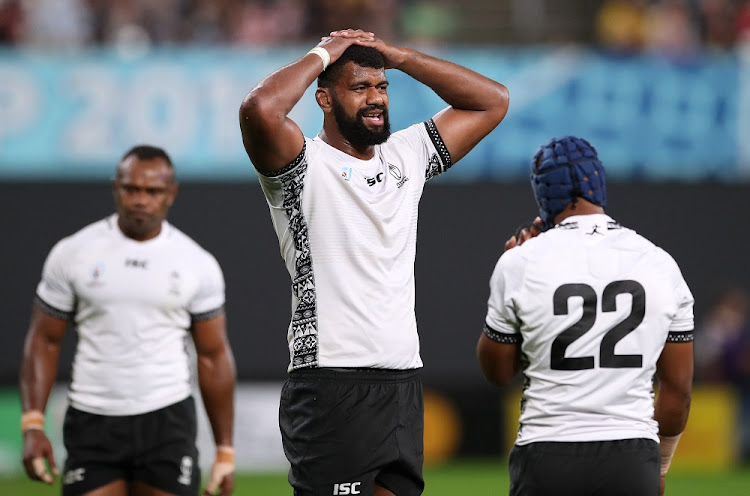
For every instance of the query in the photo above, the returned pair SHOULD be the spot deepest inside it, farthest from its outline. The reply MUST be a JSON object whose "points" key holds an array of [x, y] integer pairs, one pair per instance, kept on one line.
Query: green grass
{"points": [[475, 478]]}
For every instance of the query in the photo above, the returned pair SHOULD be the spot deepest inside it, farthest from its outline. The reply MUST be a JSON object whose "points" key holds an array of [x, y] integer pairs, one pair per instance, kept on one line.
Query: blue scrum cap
{"points": [[564, 169]]}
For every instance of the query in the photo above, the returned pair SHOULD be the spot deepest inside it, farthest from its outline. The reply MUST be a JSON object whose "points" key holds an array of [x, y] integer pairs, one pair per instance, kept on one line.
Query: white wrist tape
{"points": [[223, 466], [667, 446], [32, 420], [323, 54]]}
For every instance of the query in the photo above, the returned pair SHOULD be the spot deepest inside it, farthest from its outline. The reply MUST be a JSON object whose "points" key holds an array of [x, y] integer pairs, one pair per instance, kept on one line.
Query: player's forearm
{"points": [[671, 412], [274, 97], [38, 372], [675, 373], [671, 409], [499, 362], [498, 375], [216, 379], [459, 86]]}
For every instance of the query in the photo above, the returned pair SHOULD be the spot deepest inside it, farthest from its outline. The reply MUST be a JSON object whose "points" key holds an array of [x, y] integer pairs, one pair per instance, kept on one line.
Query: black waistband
{"points": [[354, 374]]}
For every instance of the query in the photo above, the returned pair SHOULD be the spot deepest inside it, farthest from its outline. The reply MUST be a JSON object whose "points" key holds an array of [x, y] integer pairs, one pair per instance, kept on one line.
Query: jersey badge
{"points": [[396, 173], [97, 271], [346, 173], [174, 283]]}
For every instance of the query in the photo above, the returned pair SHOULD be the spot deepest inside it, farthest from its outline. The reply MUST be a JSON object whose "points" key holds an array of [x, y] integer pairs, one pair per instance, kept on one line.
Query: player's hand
{"points": [[661, 486], [221, 480], [338, 41], [392, 54], [38, 457], [524, 233]]}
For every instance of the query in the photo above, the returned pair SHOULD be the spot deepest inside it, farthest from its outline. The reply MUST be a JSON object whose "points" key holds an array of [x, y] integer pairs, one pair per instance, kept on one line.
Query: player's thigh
{"points": [[339, 433], [403, 476], [381, 491], [97, 451], [168, 457], [140, 488], [116, 488]]}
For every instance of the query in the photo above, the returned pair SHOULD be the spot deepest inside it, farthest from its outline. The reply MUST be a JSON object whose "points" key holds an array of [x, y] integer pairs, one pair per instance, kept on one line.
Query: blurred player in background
{"points": [[344, 206], [135, 288], [588, 310]]}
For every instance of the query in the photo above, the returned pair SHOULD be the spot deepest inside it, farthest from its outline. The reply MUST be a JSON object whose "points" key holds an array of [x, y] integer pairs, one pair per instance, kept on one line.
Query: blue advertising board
{"points": [[71, 116]]}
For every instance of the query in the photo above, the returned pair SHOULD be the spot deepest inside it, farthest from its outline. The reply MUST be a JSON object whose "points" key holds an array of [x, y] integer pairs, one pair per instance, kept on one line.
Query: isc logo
{"points": [[346, 488], [372, 181]]}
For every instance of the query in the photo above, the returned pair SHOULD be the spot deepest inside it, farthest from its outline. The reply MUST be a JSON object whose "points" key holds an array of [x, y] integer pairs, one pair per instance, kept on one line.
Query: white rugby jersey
{"points": [[592, 304], [132, 303], [347, 230]]}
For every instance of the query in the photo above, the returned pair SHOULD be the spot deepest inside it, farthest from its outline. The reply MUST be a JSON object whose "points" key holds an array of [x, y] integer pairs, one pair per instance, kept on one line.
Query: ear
{"points": [[323, 97]]}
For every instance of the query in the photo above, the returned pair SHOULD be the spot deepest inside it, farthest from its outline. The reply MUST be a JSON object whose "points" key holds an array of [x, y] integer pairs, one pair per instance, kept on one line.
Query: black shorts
{"points": [[157, 448], [346, 430], [628, 467]]}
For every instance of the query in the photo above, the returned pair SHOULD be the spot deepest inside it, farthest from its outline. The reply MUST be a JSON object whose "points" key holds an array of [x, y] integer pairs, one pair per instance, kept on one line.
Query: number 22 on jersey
{"points": [[607, 356]]}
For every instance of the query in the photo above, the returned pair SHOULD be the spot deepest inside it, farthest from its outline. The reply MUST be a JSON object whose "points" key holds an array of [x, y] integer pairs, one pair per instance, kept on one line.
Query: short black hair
{"points": [[148, 152], [363, 56]]}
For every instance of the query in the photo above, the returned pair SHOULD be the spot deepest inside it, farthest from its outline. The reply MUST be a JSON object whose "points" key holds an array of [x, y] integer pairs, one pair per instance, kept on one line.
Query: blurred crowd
{"points": [[675, 28], [722, 356], [71, 24]]}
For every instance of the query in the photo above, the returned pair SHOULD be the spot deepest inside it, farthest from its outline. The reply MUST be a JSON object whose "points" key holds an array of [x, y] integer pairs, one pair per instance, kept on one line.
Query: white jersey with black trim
{"points": [[132, 303], [592, 304], [347, 230]]}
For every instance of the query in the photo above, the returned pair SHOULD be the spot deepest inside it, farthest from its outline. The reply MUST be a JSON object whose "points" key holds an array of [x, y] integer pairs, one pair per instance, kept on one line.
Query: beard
{"points": [[138, 225], [354, 129]]}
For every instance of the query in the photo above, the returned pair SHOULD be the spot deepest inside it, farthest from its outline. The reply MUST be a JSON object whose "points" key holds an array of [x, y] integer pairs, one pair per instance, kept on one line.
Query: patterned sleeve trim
{"points": [[52, 311], [198, 317], [290, 166], [501, 337], [445, 157], [680, 337]]}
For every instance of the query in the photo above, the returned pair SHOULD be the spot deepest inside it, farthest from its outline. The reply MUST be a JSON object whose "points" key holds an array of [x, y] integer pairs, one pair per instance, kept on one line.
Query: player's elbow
{"points": [[253, 110], [672, 410], [500, 103], [494, 369], [494, 378], [260, 109]]}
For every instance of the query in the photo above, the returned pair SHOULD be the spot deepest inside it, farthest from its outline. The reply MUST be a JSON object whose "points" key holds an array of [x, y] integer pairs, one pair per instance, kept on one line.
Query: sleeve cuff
{"points": [[501, 337], [52, 311], [198, 317]]}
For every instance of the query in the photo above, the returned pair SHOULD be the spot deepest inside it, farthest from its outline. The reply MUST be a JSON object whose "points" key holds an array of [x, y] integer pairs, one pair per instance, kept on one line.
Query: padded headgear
{"points": [[564, 169]]}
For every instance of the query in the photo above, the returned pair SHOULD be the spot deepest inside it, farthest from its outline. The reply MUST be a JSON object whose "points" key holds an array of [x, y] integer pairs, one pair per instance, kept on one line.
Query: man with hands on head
{"points": [[136, 288], [344, 206]]}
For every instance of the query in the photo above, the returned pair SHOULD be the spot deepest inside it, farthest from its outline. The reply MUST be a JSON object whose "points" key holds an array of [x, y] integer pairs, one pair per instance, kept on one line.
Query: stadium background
{"points": [[81, 81]]}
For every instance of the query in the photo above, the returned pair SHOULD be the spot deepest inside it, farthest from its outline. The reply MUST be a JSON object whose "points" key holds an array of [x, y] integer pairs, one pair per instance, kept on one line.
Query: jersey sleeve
{"points": [[681, 329], [433, 156], [501, 323], [55, 293], [208, 301], [290, 177]]}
